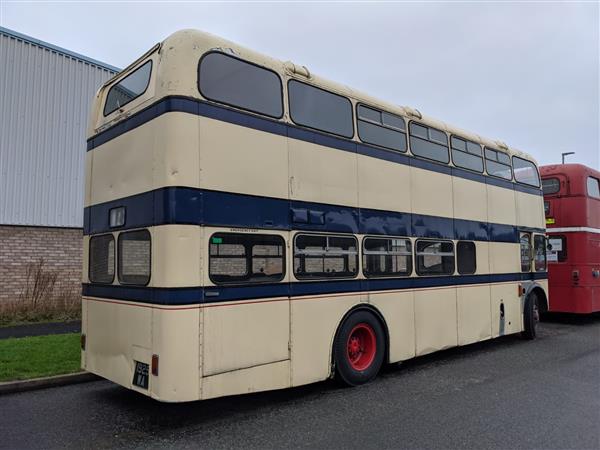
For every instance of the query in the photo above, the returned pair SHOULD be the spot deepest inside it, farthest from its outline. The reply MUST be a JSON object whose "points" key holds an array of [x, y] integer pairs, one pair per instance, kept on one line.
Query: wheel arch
{"points": [[378, 315], [541, 295]]}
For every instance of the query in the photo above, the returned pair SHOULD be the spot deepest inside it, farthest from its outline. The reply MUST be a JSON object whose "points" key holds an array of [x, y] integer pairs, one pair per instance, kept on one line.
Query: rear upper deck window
{"points": [[238, 83], [128, 89], [525, 172], [550, 186], [320, 109]]}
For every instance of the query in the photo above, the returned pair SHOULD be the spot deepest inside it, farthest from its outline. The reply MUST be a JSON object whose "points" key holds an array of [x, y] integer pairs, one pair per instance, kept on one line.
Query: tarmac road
{"points": [[506, 393]]}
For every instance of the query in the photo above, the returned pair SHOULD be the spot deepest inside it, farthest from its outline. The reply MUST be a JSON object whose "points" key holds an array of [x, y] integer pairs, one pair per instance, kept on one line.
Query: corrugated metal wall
{"points": [[45, 98]]}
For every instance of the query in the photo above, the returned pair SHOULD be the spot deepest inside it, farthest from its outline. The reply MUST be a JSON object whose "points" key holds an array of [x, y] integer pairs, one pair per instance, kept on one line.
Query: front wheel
{"points": [[359, 348], [531, 316]]}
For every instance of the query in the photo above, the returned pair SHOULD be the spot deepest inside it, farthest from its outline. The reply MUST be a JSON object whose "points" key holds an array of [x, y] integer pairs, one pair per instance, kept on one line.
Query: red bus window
{"points": [[593, 187], [550, 186]]}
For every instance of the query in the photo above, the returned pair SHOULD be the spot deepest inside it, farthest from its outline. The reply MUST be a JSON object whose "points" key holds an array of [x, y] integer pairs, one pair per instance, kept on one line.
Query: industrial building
{"points": [[45, 97]]}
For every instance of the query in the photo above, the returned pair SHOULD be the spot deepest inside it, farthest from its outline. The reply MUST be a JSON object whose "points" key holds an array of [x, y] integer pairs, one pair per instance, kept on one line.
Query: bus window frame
{"points": [[289, 101], [365, 253], [247, 282], [119, 255], [382, 125], [114, 261], [151, 62], [281, 97], [327, 235], [539, 185], [417, 254], [482, 156], [509, 165], [422, 124]]}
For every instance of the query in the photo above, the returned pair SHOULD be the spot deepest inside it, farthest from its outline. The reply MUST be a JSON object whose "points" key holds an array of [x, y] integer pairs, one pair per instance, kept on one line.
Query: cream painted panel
{"points": [[530, 210], [431, 193], [383, 185], [176, 255], [512, 322], [239, 159], [112, 331], [470, 201], [435, 320], [89, 157], [314, 323], [245, 381], [245, 335], [505, 257], [398, 310], [175, 339], [482, 250], [501, 205], [85, 260], [322, 174], [177, 156], [474, 318]]}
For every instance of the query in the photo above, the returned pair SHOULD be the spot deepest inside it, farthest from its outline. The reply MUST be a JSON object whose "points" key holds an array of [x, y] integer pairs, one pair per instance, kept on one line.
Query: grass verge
{"points": [[39, 356]]}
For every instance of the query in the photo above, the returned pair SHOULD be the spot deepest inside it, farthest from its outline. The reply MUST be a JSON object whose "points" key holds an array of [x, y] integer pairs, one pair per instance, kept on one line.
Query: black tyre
{"points": [[359, 348], [531, 316]]}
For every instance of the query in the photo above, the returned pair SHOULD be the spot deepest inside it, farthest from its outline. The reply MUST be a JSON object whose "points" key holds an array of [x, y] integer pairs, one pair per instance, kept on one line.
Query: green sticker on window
{"points": [[217, 240]]}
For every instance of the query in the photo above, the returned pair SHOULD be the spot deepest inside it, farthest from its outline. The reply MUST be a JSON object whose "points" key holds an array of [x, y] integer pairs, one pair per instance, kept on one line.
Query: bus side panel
{"points": [[474, 316], [398, 310], [470, 200], [501, 205], [314, 324], [116, 333], [176, 255], [507, 309], [435, 320], [383, 185], [239, 336], [322, 174], [175, 339], [239, 159], [530, 210], [431, 193]]}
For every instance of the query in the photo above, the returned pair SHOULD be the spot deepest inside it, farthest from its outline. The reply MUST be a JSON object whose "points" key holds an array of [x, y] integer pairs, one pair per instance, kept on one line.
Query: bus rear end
{"points": [[572, 208]]}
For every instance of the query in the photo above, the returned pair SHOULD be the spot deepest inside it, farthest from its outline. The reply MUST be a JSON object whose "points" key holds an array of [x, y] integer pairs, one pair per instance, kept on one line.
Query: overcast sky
{"points": [[524, 73]]}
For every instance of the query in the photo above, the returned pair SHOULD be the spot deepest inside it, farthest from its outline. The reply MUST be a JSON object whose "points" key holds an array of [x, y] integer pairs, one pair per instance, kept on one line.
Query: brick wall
{"points": [[20, 246]]}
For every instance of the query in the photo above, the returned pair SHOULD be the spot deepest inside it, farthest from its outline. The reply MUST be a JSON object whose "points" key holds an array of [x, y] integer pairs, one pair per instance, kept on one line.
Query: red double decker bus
{"points": [[572, 207]]}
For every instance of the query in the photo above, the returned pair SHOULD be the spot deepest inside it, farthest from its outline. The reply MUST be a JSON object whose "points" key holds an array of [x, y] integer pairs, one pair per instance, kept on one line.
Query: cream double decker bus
{"points": [[251, 226]]}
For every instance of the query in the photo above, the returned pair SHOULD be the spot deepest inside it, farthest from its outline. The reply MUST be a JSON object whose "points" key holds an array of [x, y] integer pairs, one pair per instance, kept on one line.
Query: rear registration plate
{"points": [[140, 376]]}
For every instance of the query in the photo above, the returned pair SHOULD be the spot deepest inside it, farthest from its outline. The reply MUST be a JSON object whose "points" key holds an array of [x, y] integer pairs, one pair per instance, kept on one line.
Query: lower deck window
{"points": [[321, 256], [102, 259], [246, 258], [134, 257], [525, 253], [384, 257], [539, 246], [466, 257], [435, 258]]}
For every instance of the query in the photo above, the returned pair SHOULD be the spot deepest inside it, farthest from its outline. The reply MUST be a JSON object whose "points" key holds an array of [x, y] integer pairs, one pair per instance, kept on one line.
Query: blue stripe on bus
{"points": [[215, 294], [224, 114], [191, 206]]}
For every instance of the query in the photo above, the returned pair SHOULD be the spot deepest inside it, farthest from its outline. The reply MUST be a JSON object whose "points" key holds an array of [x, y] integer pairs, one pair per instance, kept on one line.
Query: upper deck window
{"points": [[319, 109], [498, 164], [238, 83], [428, 142], [128, 89], [593, 187], [550, 186], [525, 172], [381, 128], [466, 154]]}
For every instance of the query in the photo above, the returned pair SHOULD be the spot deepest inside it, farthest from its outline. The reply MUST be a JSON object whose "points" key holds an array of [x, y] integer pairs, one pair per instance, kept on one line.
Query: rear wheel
{"points": [[531, 316], [359, 348]]}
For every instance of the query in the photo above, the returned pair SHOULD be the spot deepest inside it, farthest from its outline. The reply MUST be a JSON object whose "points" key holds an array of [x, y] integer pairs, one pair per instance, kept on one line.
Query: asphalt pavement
{"points": [[502, 394]]}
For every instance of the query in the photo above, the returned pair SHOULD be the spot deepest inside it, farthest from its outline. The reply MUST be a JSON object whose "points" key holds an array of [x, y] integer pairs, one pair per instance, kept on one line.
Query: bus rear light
{"points": [[154, 365], [520, 290], [82, 341]]}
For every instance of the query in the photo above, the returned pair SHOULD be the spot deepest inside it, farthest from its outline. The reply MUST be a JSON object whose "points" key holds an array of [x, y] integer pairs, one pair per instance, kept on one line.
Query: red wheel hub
{"points": [[361, 346]]}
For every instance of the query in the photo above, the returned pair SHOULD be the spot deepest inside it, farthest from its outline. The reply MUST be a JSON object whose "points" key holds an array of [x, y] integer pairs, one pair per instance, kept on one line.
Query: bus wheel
{"points": [[359, 349], [531, 316]]}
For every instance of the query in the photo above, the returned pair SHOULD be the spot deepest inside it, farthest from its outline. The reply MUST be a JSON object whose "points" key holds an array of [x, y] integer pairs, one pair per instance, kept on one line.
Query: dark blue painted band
{"points": [[182, 205], [205, 109], [215, 294]]}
